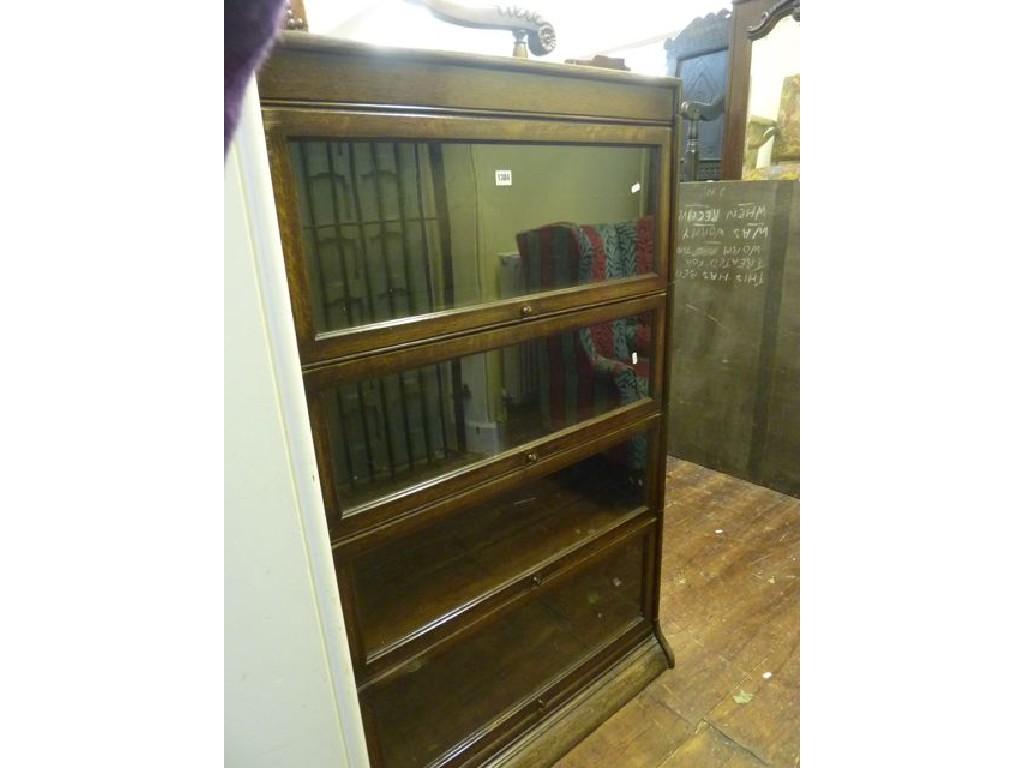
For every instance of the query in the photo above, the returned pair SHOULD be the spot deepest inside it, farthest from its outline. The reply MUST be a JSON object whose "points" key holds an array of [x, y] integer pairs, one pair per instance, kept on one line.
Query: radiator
{"points": [[520, 362]]}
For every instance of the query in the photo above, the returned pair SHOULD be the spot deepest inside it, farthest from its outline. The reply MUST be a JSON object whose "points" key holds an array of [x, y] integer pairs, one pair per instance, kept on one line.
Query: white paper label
{"points": [[635, 188], [503, 178], [636, 358]]}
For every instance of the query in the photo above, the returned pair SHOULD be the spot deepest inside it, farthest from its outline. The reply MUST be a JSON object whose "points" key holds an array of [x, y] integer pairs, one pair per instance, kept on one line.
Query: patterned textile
{"points": [[622, 249], [592, 369]]}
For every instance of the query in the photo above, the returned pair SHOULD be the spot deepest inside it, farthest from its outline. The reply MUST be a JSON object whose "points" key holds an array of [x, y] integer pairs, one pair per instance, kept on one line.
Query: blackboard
{"points": [[734, 398]]}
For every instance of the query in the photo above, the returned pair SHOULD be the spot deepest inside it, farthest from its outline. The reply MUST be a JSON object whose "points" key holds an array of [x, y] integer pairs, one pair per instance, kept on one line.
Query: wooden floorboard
{"points": [[730, 607]]}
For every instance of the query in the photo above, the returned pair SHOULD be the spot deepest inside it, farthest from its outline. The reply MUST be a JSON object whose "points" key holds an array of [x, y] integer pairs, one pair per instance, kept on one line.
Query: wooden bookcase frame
{"points": [[319, 88]]}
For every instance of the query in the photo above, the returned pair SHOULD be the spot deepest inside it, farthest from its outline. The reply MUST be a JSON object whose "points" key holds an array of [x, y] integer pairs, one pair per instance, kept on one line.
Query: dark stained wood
{"points": [[779, 466], [465, 557], [705, 34], [699, 57], [586, 710], [662, 353], [449, 628], [375, 337], [322, 450], [734, 398], [745, 14], [357, 650], [460, 626], [476, 638], [425, 709], [730, 606], [533, 716], [411, 355], [349, 124], [286, 124], [289, 223], [665, 210], [778, 11], [341, 48], [424, 505], [307, 67]]}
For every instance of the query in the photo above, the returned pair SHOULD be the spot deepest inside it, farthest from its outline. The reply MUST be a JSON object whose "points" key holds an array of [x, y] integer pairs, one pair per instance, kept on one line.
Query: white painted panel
{"points": [[289, 693]]}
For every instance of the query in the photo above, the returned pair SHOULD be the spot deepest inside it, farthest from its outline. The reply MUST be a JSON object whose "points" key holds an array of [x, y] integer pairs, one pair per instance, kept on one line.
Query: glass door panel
{"points": [[387, 434], [424, 711], [399, 229], [415, 580]]}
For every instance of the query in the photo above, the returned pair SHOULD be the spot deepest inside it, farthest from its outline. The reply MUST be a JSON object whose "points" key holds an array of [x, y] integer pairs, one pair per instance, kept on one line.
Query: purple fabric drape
{"points": [[249, 30]]}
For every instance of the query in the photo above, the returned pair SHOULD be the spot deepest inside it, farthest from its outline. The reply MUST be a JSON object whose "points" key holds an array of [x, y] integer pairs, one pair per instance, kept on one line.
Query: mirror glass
{"points": [[772, 142]]}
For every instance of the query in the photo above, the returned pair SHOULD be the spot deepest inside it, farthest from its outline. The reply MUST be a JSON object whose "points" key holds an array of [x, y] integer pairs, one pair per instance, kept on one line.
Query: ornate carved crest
{"points": [[702, 35], [521, 22], [773, 16]]}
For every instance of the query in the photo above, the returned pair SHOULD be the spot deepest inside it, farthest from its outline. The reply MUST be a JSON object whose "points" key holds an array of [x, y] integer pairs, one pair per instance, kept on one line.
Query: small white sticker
{"points": [[635, 188], [503, 178], [636, 358]]}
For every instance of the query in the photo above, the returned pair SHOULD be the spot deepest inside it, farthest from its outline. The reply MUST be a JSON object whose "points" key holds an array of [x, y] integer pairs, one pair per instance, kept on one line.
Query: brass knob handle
{"points": [[531, 457], [536, 579], [527, 310]]}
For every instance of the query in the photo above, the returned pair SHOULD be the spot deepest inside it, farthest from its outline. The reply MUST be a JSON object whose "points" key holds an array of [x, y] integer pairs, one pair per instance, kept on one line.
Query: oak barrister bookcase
{"points": [[478, 253]]}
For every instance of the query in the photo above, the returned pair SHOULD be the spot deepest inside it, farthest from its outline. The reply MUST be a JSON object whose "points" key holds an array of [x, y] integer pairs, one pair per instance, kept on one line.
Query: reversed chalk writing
{"points": [[723, 244], [700, 214]]}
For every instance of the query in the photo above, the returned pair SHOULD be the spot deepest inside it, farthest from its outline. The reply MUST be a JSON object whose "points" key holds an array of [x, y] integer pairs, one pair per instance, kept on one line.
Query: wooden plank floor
{"points": [[730, 608]]}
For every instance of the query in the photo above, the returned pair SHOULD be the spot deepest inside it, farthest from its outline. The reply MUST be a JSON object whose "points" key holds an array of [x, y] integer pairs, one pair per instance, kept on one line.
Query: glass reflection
{"points": [[442, 697], [397, 229], [389, 433], [409, 582], [772, 140]]}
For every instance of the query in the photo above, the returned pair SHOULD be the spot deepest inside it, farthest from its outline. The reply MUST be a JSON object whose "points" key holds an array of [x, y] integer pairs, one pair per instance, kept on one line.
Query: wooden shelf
{"points": [[370, 492], [426, 711], [488, 431], [420, 581]]}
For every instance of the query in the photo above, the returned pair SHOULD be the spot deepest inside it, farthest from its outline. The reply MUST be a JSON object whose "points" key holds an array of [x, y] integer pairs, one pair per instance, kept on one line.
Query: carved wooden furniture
{"points": [[295, 15], [525, 25], [498, 570], [699, 56], [751, 20], [694, 167], [600, 60]]}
